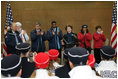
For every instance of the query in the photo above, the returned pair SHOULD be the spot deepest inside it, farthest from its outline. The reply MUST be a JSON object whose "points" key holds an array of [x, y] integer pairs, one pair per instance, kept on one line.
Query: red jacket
{"points": [[98, 40], [87, 39], [91, 60]]}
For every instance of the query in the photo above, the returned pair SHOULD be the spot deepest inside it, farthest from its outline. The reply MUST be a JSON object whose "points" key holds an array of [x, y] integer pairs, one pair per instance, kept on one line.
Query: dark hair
{"points": [[53, 22], [84, 27], [83, 31], [97, 27], [38, 23], [78, 64], [68, 26]]}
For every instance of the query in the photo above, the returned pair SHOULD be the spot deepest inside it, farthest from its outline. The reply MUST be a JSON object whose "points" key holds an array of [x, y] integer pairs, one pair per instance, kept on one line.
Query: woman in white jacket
{"points": [[22, 33]]}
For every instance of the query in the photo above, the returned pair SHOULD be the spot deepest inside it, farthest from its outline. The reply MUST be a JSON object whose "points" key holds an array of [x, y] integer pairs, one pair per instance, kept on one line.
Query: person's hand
{"points": [[42, 32], [75, 45], [101, 32], [34, 54], [38, 33], [62, 43], [58, 33], [24, 31], [27, 54], [53, 33], [84, 32]]}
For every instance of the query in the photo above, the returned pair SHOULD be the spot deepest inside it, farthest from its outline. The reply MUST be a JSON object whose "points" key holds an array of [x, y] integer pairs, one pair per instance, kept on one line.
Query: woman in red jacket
{"points": [[85, 38], [99, 38]]}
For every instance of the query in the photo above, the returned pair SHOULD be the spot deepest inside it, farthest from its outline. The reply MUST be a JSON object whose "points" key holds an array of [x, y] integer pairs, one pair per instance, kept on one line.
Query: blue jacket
{"points": [[51, 38], [36, 44], [10, 41], [70, 40]]}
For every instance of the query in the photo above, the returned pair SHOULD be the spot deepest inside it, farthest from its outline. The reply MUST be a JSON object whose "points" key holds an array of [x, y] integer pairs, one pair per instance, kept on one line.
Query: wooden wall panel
{"points": [[74, 13]]}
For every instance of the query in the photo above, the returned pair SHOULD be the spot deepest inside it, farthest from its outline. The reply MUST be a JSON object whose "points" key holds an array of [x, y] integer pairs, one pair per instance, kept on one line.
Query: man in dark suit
{"points": [[38, 38], [12, 38], [54, 36]]}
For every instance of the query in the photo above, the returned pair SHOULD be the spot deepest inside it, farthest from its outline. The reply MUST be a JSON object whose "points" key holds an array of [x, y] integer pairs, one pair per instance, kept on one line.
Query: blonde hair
{"points": [[34, 74]]}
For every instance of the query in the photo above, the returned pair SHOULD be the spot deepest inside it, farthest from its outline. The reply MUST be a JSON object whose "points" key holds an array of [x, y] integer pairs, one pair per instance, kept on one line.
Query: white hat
{"points": [[18, 24]]}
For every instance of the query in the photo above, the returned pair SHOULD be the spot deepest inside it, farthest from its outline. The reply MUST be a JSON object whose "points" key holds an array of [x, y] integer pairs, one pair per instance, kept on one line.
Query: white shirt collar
{"points": [[106, 63], [13, 32], [82, 72], [42, 73]]}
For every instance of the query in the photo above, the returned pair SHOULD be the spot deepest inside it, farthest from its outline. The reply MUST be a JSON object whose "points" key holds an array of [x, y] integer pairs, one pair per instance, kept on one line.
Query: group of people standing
{"points": [[57, 40], [55, 37], [80, 63]]}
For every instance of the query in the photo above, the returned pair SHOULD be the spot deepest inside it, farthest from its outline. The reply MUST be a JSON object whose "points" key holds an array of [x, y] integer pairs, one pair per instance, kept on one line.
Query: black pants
{"points": [[89, 49], [39, 51], [59, 53], [97, 55]]}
